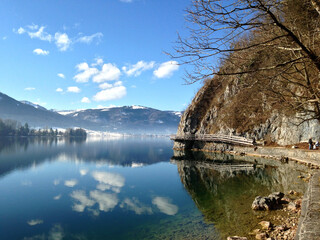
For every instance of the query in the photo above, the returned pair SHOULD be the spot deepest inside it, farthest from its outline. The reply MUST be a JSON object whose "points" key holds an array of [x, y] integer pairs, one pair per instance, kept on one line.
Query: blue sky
{"points": [[80, 54]]}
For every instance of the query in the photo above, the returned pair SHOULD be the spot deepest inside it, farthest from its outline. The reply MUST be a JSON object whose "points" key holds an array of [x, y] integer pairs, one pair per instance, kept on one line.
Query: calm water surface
{"points": [[128, 188]]}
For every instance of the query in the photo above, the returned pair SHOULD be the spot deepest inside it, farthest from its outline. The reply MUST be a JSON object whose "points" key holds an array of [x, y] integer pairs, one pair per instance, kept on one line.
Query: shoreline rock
{"points": [[273, 201], [288, 220]]}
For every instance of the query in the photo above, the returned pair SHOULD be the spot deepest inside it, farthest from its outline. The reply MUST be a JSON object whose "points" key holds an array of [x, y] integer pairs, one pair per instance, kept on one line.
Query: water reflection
{"points": [[34, 222], [127, 189], [136, 206], [71, 183], [23, 153], [109, 181], [224, 186], [165, 206]]}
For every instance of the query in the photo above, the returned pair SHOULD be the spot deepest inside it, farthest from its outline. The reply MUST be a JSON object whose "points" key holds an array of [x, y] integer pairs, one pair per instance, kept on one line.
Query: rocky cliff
{"points": [[224, 105]]}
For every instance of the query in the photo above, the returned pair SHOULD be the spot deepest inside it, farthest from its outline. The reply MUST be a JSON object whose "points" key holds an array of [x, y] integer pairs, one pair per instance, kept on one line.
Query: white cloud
{"points": [[86, 72], [71, 182], [106, 201], [165, 205], [117, 84], [166, 69], [56, 182], [30, 89], [83, 201], [56, 233], [62, 41], [33, 26], [39, 51], [21, 30], [89, 39], [108, 181], [110, 94], [105, 85], [74, 89], [133, 86], [109, 72], [40, 34], [83, 172], [136, 206], [59, 90], [34, 222], [4, 38], [138, 68], [99, 62], [57, 197], [85, 100], [61, 75]]}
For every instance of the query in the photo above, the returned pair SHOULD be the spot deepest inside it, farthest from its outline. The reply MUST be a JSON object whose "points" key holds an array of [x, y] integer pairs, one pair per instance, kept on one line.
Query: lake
{"points": [[131, 188]]}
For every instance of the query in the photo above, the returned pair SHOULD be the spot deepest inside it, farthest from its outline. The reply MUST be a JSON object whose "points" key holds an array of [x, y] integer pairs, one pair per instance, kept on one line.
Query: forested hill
{"points": [[260, 64]]}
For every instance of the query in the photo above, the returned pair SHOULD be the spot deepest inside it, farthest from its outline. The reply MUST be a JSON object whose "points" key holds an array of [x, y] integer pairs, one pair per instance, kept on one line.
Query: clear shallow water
{"points": [[126, 189]]}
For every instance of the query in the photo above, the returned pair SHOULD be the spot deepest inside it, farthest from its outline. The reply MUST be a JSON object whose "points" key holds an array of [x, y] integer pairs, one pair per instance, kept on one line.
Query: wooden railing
{"points": [[221, 167], [235, 140]]}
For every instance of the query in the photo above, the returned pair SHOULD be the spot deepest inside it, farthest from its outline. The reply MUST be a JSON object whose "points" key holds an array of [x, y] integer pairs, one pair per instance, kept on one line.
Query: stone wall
{"points": [[309, 223]]}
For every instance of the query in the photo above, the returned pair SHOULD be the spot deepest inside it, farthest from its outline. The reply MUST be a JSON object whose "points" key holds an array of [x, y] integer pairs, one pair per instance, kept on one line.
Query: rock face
{"points": [[225, 108]]}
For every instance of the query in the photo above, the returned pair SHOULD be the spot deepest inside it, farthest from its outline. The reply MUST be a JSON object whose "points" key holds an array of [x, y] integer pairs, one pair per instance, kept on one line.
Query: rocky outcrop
{"points": [[225, 107]]}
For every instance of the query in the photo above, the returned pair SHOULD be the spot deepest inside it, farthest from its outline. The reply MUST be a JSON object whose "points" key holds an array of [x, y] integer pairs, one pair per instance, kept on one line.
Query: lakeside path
{"points": [[308, 157], [309, 222]]}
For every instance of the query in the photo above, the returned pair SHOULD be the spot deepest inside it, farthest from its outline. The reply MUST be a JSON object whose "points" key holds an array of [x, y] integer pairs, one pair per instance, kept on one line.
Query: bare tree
{"points": [[316, 5], [232, 33]]}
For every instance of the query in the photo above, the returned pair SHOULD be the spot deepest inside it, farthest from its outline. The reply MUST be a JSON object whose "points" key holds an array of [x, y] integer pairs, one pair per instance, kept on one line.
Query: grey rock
{"points": [[267, 203]]}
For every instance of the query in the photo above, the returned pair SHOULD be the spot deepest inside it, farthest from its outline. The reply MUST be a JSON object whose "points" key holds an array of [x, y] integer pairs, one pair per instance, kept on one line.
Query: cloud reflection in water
{"points": [[34, 222], [106, 201], [57, 197], [83, 172], [109, 181], [83, 201], [136, 206], [71, 182], [165, 206]]}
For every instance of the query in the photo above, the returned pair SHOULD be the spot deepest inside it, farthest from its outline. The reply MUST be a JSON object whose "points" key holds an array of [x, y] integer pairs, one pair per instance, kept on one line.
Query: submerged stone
{"points": [[236, 238], [266, 225], [267, 203]]}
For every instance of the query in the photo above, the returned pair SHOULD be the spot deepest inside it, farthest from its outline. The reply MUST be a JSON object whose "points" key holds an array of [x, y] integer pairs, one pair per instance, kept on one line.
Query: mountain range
{"points": [[126, 119]]}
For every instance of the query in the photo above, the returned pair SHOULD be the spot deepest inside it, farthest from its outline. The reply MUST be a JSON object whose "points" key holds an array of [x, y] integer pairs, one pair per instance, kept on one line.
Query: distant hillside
{"points": [[33, 115], [127, 119], [33, 105]]}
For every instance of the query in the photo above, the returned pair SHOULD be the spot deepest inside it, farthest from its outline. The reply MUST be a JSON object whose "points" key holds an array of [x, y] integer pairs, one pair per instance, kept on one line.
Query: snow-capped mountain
{"points": [[36, 115], [128, 119], [33, 105]]}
